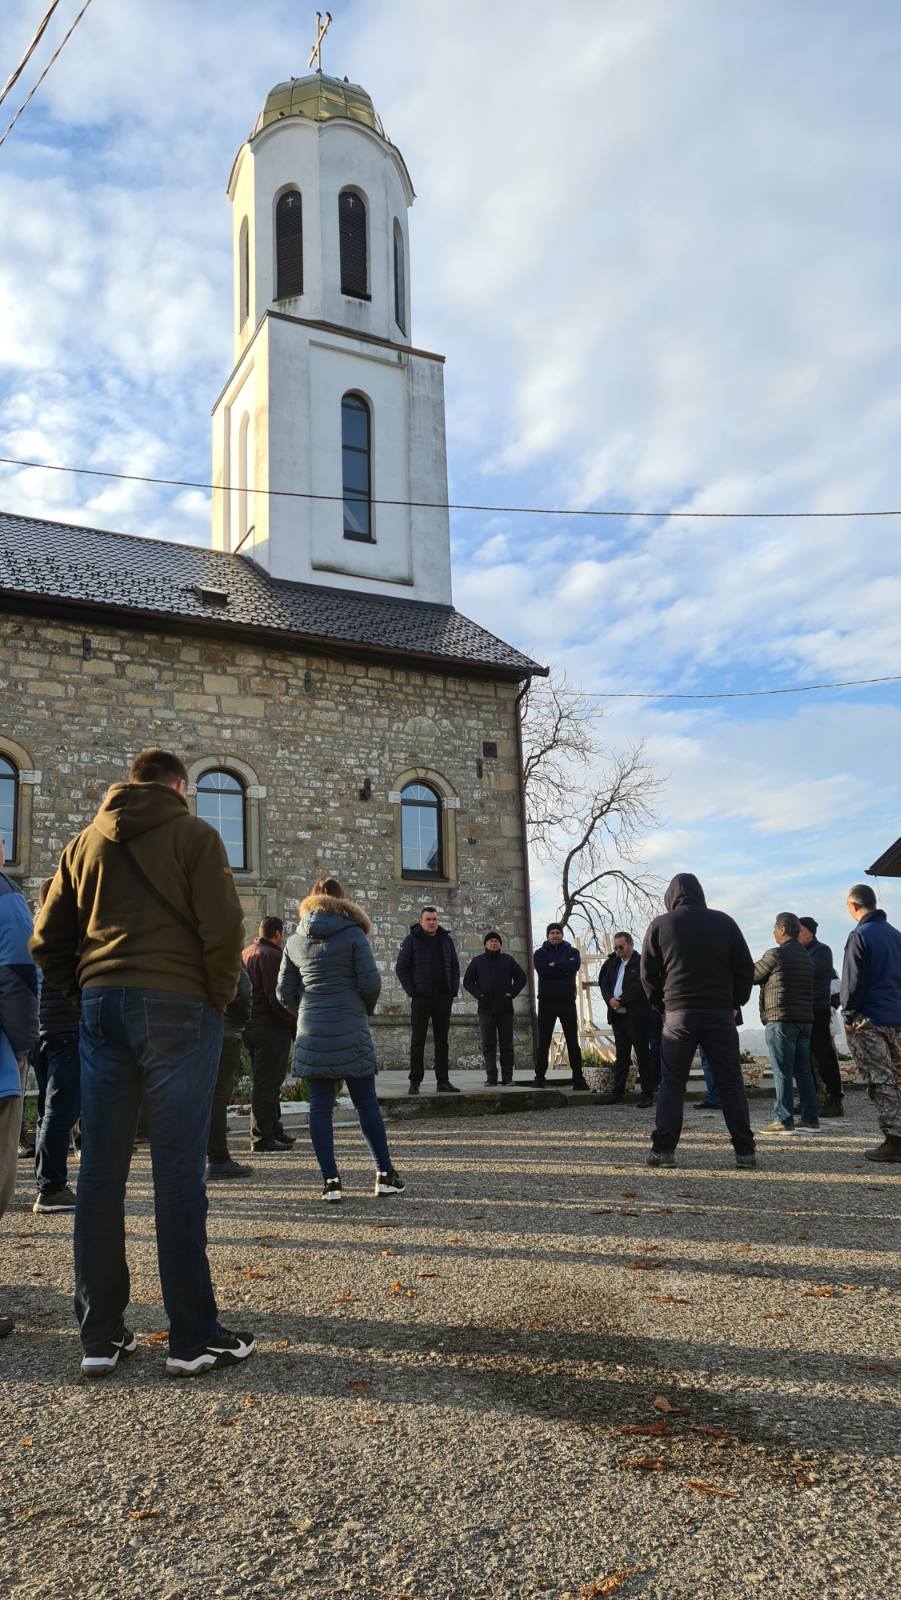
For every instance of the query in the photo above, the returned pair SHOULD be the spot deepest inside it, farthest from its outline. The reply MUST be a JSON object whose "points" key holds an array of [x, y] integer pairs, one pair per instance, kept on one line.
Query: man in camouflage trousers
{"points": [[871, 1006]]}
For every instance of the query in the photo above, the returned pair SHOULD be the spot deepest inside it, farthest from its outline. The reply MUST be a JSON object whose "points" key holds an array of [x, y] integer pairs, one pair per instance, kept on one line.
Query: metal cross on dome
{"points": [[322, 29]]}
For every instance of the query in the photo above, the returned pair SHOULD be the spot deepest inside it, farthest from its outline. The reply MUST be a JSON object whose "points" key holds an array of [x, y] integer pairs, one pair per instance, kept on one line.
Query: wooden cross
{"points": [[322, 29]]}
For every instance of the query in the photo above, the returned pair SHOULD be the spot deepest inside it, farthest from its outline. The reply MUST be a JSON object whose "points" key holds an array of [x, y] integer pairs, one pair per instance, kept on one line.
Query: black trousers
{"points": [[683, 1031], [549, 1013], [229, 1064], [270, 1047], [496, 1031], [823, 1058], [632, 1031], [425, 1009]]}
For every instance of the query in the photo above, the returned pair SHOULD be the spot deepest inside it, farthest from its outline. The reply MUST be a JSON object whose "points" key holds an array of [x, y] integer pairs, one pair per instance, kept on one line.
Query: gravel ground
{"points": [[543, 1368]]}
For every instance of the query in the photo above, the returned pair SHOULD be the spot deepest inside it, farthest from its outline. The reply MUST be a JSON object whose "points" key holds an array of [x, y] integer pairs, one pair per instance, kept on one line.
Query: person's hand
{"points": [[615, 1004]]}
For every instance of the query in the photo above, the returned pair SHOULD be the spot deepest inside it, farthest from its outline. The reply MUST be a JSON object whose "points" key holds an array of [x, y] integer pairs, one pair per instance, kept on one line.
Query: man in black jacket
{"points": [[58, 1071], [494, 980], [269, 1037], [629, 1015], [556, 963], [785, 976], [429, 972], [823, 1058], [697, 969]]}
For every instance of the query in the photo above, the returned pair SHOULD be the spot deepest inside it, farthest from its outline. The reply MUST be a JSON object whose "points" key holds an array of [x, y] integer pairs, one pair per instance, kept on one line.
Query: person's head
{"points": [[329, 886], [428, 919], [44, 890], [159, 766], [272, 929], [807, 929], [861, 899], [492, 943], [554, 933], [623, 945], [786, 927]]}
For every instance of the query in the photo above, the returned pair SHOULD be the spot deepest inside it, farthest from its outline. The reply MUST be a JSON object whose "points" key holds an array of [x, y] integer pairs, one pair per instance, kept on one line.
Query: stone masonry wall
{"points": [[306, 731]]}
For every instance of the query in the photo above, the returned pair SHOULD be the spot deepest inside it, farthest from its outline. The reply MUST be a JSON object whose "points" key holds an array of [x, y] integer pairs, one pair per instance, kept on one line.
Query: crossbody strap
{"points": [[138, 872]]}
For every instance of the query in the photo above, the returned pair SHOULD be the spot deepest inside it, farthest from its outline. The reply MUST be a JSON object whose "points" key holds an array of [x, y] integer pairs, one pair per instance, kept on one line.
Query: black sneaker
{"points": [[287, 1139], [662, 1158], [54, 1200], [506, 1083], [611, 1099], [269, 1146], [645, 1100], [832, 1108], [580, 1086], [331, 1190], [225, 1350], [538, 1083], [706, 1105], [389, 1182], [97, 1363], [491, 1083], [746, 1163], [414, 1088], [227, 1169], [447, 1088]]}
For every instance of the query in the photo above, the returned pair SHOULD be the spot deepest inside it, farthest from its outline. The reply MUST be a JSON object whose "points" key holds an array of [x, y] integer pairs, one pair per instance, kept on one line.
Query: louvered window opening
{"points": [[356, 467], [352, 240], [400, 288], [244, 271], [289, 246]]}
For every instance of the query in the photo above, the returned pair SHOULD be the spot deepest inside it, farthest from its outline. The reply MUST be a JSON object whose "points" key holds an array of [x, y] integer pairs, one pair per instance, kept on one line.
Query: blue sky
{"points": [[659, 244]]}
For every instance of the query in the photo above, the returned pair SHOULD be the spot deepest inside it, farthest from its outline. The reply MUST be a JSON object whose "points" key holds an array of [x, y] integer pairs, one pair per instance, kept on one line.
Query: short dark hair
{"points": [[860, 894], [270, 926], [157, 766], [492, 935], [623, 935], [810, 923], [329, 886], [551, 926], [788, 922], [428, 908]]}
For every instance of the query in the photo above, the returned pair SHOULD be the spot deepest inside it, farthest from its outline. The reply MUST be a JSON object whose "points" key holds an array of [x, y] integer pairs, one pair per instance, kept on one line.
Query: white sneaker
{"points": [[331, 1190], [97, 1366]]}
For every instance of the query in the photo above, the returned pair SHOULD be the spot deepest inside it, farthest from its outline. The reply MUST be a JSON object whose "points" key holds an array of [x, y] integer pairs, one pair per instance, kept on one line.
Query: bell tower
{"points": [[328, 398]]}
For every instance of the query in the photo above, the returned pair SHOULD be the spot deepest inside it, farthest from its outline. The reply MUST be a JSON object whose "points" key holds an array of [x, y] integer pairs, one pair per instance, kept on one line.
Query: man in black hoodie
{"points": [[429, 972], [697, 969], [495, 979]]}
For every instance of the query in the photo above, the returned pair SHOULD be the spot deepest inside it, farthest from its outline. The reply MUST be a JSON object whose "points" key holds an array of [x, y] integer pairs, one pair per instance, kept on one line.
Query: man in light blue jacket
{"points": [[18, 1029]]}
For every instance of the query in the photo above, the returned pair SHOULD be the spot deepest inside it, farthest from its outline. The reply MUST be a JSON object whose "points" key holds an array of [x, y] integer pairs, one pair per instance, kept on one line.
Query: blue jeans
{"points": [[61, 1071], [712, 1097], [322, 1104], [165, 1047], [788, 1045]]}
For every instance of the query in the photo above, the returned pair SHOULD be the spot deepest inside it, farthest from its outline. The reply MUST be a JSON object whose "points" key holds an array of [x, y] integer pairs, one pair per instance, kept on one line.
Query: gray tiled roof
{"points": [[84, 567]]}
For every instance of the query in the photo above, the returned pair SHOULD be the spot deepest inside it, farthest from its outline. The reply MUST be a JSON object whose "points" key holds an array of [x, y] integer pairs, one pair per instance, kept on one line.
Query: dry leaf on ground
{"points": [[253, 1272], [343, 1299], [26, 1443], [360, 1386], [602, 1587], [158, 1338], [229, 1422], [709, 1432], [646, 1428], [824, 1292], [700, 1487], [143, 1516], [670, 1299], [804, 1479], [644, 1464], [660, 1403], [428, 1274], [643, 1265], [282, 1344]]}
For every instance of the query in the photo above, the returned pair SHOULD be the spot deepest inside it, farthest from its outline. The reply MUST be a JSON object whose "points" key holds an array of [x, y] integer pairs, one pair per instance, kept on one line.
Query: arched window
{"points": [[9, 795], [288, 245], [352, 241], [243, 273], [244, 477], [421, 847], [400, 285], [222, 802], [356, 467]]}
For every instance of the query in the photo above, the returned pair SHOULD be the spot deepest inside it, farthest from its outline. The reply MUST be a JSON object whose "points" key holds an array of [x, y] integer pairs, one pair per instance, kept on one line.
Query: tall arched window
{"points": [[421, 844], [9, 794], [288, 245], [222, 802], [356, 467], [352, 242], [400, 285], [244, 476], [243, 273]]}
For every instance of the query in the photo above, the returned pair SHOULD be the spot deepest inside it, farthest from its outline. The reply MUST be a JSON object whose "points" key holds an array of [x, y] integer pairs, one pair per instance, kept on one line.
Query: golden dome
{"points": [[319, 98]]}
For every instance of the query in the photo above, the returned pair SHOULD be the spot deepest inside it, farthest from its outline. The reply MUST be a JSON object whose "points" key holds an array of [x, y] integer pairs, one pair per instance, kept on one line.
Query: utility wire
{"points": [[719, 694], [444, 505], [39, 34], [55, 57]]}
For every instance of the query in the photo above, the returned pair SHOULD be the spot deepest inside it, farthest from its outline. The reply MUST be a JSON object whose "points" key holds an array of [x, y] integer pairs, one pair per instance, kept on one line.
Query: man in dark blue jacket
{"points": [[871, 1007], [556, 965], [428, 970], [494, 980], [823, 1058]]}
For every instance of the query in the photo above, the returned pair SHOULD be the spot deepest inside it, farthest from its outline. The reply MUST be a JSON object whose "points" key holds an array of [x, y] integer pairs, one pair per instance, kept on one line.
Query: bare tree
{"points": [[587, 809]]}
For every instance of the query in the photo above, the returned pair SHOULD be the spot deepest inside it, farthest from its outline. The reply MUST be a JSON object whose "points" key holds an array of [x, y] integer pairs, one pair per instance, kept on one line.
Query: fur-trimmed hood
{"points": [[327, 906]]}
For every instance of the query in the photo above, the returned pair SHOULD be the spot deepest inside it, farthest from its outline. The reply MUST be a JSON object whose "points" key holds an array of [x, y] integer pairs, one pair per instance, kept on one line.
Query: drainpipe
{"points": [[533, 1017]]}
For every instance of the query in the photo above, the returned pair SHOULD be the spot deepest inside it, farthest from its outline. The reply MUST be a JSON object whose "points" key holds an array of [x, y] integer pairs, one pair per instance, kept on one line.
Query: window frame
{"points": [[353, 293], [400, 279], [14, 777], [243, 274], [280, 266], [436, 804], [355, 401], [228, 772]]}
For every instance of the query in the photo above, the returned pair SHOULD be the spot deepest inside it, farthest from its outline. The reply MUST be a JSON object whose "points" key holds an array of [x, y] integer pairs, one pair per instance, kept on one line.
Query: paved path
{"points": [[465, 1392]]}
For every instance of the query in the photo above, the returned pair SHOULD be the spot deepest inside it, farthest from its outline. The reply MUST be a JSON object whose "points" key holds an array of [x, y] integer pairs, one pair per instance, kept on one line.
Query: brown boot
{"points": [[888, 1150]]}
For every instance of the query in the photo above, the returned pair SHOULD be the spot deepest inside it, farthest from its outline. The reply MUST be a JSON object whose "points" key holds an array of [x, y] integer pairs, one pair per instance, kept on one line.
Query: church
{"points": [[335, 712]]}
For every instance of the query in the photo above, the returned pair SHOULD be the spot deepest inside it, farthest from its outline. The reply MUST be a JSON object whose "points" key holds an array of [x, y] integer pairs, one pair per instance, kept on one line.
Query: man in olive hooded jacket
{"points": [[696, 967], [142, 927]]}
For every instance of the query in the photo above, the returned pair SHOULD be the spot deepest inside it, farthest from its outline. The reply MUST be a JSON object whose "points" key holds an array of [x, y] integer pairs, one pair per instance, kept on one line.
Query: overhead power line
{"points": [[38, 36], [720, 694], [55, 57], [446, 505]]}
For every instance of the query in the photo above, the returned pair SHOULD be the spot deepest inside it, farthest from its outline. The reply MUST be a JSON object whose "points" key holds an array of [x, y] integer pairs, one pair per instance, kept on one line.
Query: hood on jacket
{"points": [[322, 916], [130, 809], [684, 890]]}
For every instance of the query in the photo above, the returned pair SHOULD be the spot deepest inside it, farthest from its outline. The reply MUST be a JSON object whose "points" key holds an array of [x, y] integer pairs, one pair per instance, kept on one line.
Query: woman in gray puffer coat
{"points": [[330, 981]]}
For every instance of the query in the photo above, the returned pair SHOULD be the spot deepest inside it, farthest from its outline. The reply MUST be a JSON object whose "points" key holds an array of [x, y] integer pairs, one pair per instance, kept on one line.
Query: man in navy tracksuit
{"points": [[871, 1007], [556, 966]]}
